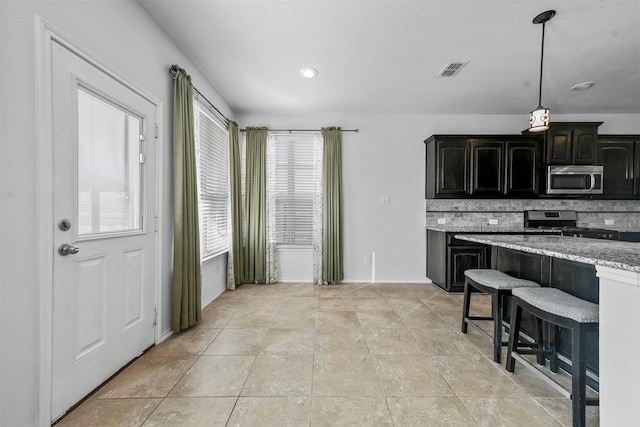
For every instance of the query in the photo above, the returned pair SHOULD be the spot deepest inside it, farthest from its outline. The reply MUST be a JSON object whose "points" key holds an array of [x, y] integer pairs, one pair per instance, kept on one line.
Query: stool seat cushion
{"points": [[497, 279], [560, 303]]}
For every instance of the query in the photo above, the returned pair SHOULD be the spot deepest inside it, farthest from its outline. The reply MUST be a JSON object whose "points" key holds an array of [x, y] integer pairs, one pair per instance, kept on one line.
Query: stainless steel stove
{"points": [[565, 221], [553, 220]]}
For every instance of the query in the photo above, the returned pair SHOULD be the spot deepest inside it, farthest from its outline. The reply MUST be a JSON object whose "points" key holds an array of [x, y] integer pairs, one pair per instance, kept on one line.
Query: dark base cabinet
{"points": [[463, 258], [448, 258]]}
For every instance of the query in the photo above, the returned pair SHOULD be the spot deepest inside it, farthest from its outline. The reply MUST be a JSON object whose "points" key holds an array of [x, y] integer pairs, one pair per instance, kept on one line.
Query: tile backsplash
{"points": [[612, 214]]}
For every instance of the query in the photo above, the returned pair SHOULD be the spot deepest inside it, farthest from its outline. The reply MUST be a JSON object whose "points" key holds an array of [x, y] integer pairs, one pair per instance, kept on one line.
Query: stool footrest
{"points": [[536, 352], [478, 318], [592, 401], [528, 345]]}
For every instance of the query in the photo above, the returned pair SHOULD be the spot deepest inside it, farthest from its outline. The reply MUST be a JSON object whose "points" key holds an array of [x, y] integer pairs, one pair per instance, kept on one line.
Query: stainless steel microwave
{"points": [[574, 179]]}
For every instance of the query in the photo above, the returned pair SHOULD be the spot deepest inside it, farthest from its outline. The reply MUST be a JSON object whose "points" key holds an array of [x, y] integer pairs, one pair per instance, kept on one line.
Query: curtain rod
{"points": [[304, 130], [174, 68]]}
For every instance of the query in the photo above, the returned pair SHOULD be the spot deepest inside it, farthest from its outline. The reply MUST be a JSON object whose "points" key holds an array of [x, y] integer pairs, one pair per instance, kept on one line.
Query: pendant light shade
{"points": [[540, 118]]}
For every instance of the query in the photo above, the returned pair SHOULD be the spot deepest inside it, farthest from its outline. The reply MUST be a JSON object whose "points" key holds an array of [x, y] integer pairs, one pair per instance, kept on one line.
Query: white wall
{"points": [[122, 34], [295, 264], [387, 158], [214, 278]]}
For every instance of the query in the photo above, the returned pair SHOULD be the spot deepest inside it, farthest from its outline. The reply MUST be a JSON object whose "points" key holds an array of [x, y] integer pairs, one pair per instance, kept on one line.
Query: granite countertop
{"points": [[485, 228], [608, 253]]}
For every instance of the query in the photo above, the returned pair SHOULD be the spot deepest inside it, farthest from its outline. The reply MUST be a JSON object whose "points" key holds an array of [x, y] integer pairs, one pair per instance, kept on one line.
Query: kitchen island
{"points": [[617, 268]]}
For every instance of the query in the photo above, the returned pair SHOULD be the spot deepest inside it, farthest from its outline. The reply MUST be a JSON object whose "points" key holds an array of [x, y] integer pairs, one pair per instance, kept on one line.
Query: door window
{"points": [[110, 164]]}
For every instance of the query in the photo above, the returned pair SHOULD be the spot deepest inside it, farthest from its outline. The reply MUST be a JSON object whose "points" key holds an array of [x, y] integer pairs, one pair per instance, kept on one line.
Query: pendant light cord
{"points": [[541, 62]]}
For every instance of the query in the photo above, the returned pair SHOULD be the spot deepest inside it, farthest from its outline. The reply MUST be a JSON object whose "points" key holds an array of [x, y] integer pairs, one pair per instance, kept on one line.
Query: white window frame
{"points": [[212, 154]]}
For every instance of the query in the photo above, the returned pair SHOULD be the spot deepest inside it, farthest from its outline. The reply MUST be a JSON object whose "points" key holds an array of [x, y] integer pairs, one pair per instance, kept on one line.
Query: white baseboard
{"points": [[212, 298], [164, 335]]}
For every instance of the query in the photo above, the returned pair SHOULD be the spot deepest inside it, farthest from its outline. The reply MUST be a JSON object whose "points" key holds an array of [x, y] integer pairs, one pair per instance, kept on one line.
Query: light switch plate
{"points": [[609, 222], [442, 221]]}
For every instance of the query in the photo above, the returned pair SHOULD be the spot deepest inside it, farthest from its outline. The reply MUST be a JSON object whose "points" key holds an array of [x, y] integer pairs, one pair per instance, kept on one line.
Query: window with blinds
{"points": [[212, 150], [293, 170]]}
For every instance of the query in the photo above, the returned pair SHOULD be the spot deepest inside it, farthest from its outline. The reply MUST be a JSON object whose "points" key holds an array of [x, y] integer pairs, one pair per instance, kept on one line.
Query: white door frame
{"points": [[45, 35]]}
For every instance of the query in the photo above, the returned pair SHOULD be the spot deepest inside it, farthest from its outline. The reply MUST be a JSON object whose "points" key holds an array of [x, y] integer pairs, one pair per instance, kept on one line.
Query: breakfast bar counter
{"points": [[617, 271], [606, 253]]}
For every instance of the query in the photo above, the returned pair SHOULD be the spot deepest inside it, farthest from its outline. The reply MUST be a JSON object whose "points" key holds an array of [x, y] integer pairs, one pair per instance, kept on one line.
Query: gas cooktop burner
{"points": [[591, 233]]}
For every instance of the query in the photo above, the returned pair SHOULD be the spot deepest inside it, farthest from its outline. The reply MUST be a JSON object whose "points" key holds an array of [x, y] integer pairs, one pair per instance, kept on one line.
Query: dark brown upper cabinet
{"points": [[481, 166], [487, 168], [619, 157], [522, 162], [571, 143], [447, 168]]}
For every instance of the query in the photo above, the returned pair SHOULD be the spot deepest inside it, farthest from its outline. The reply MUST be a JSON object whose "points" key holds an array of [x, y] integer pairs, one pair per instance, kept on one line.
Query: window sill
{"points": [[214, 256], [294, 248]]}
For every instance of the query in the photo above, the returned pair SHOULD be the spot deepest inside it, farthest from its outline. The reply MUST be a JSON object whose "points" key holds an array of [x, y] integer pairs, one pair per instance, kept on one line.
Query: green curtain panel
{"points": [[255, 251], [332, 254], [235, 186], [186, 281]]}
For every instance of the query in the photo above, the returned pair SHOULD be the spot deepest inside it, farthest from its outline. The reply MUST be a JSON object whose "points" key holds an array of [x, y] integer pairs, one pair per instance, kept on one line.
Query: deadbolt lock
{"points": [[64, 225]]}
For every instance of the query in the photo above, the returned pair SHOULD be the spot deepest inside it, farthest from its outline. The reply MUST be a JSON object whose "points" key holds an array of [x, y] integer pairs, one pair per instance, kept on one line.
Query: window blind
{"points": [[293, 186], [212, 149]]}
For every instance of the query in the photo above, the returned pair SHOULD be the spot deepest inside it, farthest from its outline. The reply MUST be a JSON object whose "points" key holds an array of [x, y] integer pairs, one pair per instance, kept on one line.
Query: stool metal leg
{"points": [[496, 306], [555, 342], [578, 376], [540, 341], [465, 306], [514, 335]]}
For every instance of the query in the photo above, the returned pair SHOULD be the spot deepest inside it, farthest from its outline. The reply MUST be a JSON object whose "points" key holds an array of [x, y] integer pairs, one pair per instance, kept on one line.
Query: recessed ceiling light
{"points": [[308, 73], [583, 86]]}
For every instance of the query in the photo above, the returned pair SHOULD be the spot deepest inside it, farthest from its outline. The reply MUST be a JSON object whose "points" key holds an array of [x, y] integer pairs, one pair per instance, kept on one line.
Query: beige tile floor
{"points": [[345, 355]]}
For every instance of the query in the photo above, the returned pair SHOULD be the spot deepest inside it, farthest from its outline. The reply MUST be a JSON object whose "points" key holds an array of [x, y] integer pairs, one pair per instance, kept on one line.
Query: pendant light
{"points": [[540, 117]]}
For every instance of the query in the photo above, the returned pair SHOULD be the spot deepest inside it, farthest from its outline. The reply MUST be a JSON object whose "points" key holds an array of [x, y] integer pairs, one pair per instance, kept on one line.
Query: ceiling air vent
{"points": [[452, 68]]}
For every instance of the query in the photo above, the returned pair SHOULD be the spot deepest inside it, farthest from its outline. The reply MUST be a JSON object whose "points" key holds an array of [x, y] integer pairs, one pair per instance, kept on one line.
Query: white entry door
{"points": [[104, 281]]}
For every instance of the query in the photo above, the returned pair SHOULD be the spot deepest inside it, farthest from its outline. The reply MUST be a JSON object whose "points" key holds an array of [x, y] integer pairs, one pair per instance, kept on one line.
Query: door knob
{"points": [[67, 249]]}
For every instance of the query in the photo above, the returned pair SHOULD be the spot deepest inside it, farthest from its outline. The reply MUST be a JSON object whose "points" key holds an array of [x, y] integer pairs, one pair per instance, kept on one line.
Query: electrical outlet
{"points": [[609, 222], [367, 260], [493, 221], [385, 200], [442, 221]]}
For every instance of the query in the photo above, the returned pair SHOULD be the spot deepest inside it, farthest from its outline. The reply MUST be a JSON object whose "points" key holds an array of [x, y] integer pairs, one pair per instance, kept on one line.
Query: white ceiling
{"points": [[381, 56]]}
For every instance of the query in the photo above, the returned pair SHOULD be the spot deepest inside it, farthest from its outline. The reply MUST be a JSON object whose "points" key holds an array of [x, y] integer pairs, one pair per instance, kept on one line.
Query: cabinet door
{"points": [[522, 168], [453, 164], [487, 163], [437, 257], [571, 143], [617, 159], [584, 145], [559, 146], [461, 259]]}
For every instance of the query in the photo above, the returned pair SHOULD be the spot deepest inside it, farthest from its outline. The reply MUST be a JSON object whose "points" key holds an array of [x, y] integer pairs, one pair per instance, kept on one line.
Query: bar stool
{"points": [[563, 311], [499, 285]]}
